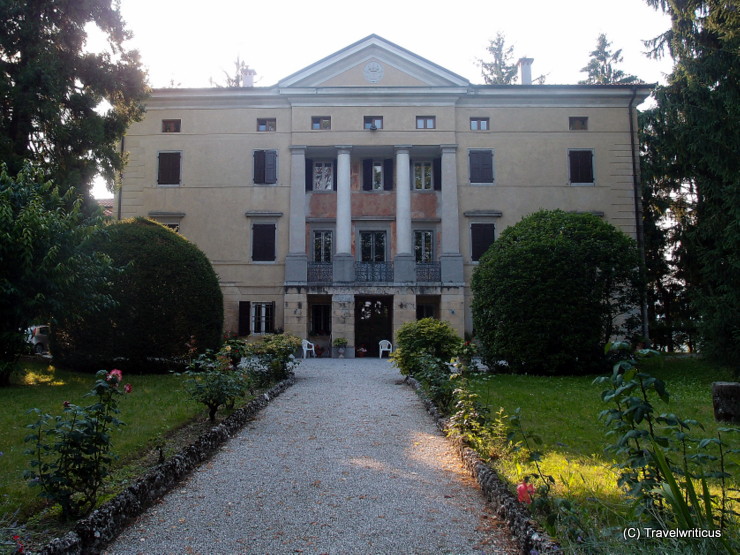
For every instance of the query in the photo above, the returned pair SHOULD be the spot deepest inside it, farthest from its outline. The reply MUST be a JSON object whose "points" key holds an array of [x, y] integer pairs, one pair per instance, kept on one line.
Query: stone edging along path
{"points": [[93, 533], [503, 501]]}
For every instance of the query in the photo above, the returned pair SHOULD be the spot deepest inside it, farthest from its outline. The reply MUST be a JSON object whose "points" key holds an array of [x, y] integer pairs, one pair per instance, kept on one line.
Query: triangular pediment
{"points": [[373, 62]]}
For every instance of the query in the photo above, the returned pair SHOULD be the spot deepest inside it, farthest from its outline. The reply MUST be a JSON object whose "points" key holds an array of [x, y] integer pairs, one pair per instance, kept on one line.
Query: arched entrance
{"points": [[373, 322]]}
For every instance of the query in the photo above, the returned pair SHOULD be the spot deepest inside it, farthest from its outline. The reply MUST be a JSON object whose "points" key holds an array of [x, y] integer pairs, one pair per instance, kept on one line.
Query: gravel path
{"points": [[345, 461]]}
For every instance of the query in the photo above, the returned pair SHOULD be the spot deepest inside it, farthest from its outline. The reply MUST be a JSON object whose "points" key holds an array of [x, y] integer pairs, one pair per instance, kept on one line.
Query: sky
{"points": [[188, 43]]}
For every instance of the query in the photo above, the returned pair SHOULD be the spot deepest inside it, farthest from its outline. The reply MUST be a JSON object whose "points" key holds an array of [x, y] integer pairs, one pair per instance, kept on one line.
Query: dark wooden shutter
{"points": [[309, 174], [169, 168], [581, 166], [334, 173], [263, 242], [481, 166], [437, 174], [481, 236], [244, 318], [367, 175], [270, 318], [259, 166], [270, 167], [388, 175]]}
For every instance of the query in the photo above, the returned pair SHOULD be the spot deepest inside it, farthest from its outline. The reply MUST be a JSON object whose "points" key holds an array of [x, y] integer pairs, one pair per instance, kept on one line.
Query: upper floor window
{"points": [[578, 123], [322, 246], [426, 122], [481, 237], [481, 166], [168, 170], [266, 124], [423, 246], [263, 242], [265, 167], [479, 124], [423, 179], [323, 176], [373, 122], [581, 166], [320, 123], [377, 175], [171, 126]]}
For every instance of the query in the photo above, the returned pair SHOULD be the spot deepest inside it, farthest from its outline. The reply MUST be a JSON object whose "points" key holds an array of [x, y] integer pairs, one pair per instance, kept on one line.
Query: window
{"points": [[423, 246], [263, 242], [481, 166], [373, 122], [168, 172], [578, 123], [266, 124], [322, 246], [372, 246], [321, 319], [170, 126], [424, 310], [174, 227], [265, 167], [426, 122], [481, 237], [320, 123], [581, 166], [262, 320], [323, 176], [423, 179], [479, 124], [377, 175]]}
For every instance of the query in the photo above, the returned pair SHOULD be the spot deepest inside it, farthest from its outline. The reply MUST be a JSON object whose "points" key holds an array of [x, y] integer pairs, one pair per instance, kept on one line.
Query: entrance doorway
{"points": [[373, 322]]}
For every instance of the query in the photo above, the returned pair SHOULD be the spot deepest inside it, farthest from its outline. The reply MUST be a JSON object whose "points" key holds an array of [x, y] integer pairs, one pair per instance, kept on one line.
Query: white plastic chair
{"points": [[308, 347], [384, 345]]}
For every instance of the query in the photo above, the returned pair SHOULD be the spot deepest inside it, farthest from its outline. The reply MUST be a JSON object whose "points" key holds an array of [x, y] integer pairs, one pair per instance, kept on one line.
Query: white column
{"points": [[344, 202], [450, 210], [403, 201]]}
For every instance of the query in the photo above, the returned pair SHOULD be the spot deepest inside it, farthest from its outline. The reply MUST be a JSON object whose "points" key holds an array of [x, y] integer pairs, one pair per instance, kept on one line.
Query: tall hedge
{"points": [[552, 290], [167, 295]]}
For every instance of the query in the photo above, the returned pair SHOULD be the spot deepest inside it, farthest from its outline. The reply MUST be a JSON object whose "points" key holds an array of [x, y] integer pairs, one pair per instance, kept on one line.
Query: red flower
{"points": [[524, 492], [66, 404], [117, 374], [127, 388]]}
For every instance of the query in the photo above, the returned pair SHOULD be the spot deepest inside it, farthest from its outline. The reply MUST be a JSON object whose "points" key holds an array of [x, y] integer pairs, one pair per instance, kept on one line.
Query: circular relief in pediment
{"points": [[373, 72]]}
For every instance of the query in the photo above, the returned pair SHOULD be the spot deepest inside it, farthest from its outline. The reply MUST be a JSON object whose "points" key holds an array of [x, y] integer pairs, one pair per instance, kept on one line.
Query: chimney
{"points": [[525, 70], [248, 77]]}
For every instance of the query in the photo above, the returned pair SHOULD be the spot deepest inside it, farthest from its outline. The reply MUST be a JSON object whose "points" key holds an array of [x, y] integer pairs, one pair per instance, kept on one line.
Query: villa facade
{"points": [[360, 192]]}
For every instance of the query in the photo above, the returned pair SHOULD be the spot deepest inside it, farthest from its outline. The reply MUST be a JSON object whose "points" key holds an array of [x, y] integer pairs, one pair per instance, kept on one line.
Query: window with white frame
{"points": [[423, 179], [323, 175], [263, 318]]}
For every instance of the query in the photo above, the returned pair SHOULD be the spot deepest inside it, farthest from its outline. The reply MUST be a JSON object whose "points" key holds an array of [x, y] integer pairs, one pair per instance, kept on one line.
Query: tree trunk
{"points": [[726, 400]]}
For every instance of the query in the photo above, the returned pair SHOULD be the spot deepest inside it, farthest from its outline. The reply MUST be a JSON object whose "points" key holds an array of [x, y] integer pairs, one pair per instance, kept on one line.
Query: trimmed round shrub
{"points": [[169, 304], [552, 290], [426, 336]]}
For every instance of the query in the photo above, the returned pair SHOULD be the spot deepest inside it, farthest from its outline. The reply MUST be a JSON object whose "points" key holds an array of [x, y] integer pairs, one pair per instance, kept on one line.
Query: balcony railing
{"points": [[320, 272], [428, 272], [373, 271]]}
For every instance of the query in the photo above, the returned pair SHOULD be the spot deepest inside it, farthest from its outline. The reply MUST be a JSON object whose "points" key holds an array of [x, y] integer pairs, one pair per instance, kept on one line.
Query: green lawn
{"points": [[157, 405], [563, 412]]}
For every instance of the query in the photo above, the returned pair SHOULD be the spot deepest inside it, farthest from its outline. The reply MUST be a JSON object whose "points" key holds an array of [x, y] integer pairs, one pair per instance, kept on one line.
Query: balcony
{"points": [[373, 272], [428, 272], [320, 272]]}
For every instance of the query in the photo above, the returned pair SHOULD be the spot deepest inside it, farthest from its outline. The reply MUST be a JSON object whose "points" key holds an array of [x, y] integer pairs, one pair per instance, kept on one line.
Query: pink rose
{"points": [[127, 388], [117, 374]]}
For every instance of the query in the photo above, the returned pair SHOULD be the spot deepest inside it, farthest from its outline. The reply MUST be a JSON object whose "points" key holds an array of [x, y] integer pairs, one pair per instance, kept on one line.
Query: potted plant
{"points": [[361, 351], [340, 343]]}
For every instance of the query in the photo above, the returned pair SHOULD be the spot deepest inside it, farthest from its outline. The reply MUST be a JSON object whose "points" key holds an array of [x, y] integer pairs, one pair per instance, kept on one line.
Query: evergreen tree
{"points": [[699, 139], [601, 67], [500, 70], [52, 89]]}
